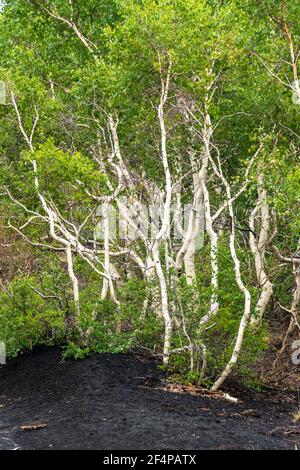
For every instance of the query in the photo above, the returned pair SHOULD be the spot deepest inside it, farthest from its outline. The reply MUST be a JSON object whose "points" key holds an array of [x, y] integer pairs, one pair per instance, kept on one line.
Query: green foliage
{"points": [[220, 333], [99, 318], [73, 350], [63, 175], [229, 50], [27, 319]]}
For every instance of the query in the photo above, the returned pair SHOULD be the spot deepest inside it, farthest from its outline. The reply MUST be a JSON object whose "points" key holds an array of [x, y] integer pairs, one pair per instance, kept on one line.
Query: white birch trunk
{"points": [[105, 214], [74, 280], [258, 248], [247, 297], [213, 236]]}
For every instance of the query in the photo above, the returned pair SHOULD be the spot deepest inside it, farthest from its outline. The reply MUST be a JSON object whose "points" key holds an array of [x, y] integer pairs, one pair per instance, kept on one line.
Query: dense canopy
{"points": [[150, 180]]}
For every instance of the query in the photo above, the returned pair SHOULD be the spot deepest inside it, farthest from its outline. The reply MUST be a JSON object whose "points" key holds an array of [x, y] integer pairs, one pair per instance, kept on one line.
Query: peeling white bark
{"points": [[247, 296], [105, 215], [164, 232], [258, 248], [73, 279], [186, 254], [213, 236]]}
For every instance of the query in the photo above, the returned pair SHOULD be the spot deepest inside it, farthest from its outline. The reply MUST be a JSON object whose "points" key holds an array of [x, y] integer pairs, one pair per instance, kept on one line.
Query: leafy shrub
{"points": [[27, 319]]}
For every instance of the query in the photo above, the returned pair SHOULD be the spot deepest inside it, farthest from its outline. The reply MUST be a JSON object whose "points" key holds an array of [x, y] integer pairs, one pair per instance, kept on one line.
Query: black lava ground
{"points": [[112, 402]]}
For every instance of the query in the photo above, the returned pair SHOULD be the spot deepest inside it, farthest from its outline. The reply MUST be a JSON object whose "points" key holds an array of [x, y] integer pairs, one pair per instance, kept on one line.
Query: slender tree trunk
{"points": [[164, 306], [294, 306], [213, 236], [105, 215], [258, 248], [75, 285], [247, 297]]}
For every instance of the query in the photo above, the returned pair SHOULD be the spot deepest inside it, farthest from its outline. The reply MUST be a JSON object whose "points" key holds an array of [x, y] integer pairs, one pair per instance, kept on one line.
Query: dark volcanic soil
{"points": [[111, 402]]}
